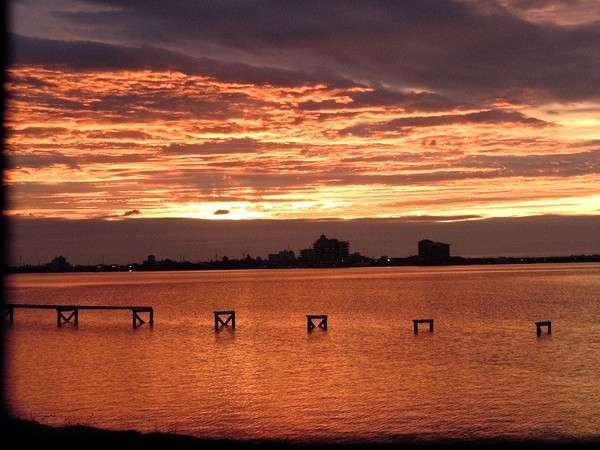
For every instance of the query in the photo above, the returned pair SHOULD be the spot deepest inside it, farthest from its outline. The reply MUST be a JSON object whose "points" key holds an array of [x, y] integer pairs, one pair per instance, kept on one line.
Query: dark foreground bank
{"points": [[22, 434]]}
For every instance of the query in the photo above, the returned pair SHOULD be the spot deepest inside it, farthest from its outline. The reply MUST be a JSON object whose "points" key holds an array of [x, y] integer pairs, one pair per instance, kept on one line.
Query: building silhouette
{"points": [[282, 257], [431, 250], [59, 264], [326, 251]]}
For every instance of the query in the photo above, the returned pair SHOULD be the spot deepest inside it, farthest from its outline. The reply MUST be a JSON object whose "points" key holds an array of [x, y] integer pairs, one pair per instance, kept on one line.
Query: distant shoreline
{"points": [[21, 434], [241, 264]]}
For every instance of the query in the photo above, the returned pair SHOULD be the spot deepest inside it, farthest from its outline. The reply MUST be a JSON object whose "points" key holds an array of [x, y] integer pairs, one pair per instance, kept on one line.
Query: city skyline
{"points": [[121, 242], [324, 253]]}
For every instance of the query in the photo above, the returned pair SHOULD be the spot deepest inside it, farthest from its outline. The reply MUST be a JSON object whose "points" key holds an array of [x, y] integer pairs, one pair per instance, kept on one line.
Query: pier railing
{"points": [[70, 313]]}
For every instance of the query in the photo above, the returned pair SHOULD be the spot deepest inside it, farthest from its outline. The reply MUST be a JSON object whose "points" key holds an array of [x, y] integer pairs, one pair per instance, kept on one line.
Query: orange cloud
{"points": [[165, 143]]}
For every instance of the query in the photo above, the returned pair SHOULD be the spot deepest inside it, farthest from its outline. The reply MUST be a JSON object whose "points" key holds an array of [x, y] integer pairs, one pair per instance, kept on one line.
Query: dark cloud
{"points": [[560, 11], [40, 159], [482, 167], [132, 212], [382, 97], [219, 147], [458, 48], [410, 101], [483, 117], [586, 144], [454, 218], [398, 157], [95, 56], [566, 164], [489, 167], [99, 56], [38, 132], [118, 134], [538, 4], [221, 212]]}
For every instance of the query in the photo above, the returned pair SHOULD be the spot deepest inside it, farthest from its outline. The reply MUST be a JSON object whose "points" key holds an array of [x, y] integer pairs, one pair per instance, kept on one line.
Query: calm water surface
{"points": [[483, 372]]}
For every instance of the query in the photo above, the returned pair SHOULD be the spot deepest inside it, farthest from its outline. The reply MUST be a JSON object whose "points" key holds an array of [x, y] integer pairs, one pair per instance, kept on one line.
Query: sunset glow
{"points": [[156, 144], [177, 136]]}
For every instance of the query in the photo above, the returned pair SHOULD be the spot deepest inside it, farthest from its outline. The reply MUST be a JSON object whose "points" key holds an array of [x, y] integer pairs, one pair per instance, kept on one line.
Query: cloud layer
{"points": [[482, 49], [280, 109]]}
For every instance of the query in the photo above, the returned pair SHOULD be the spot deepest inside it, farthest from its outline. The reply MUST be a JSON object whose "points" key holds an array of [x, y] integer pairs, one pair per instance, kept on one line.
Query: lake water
{"points": [[483, 371]]}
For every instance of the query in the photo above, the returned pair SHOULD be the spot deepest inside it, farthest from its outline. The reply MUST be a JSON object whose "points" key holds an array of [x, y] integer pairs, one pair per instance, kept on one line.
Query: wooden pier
{"points": [[69, 314], [416, 323], [310, 325], [543, 323], [229, 319]]}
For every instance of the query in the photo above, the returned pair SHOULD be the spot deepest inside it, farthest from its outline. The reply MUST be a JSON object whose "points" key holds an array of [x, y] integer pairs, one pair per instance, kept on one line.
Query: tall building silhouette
{"points": [[59, 264], [433, 250], [326, 250]]}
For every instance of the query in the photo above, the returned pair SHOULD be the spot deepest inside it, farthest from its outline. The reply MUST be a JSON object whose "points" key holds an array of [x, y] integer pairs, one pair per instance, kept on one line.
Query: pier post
{"points": [[66, 314], [229, 320], [8, 312], [416, 323], [322, 318], [61, 318], [543, 323], [136, 319]]}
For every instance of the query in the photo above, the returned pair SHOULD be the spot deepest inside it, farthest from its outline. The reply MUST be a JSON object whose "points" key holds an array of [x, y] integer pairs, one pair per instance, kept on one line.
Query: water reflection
{"points": [[484, 371]]}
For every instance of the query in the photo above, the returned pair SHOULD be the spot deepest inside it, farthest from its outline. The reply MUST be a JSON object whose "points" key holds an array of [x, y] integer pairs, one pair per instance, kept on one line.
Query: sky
{"points": [[93, 241], [445, 112]]}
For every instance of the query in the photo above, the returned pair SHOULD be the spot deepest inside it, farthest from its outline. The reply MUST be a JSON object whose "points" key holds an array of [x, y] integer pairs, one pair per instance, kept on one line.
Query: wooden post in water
{"points": [[70, 313], [543, 323], [8, 312], [136, 318], [416, 323], [220, 323], [322, 318], [61, 318]]}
